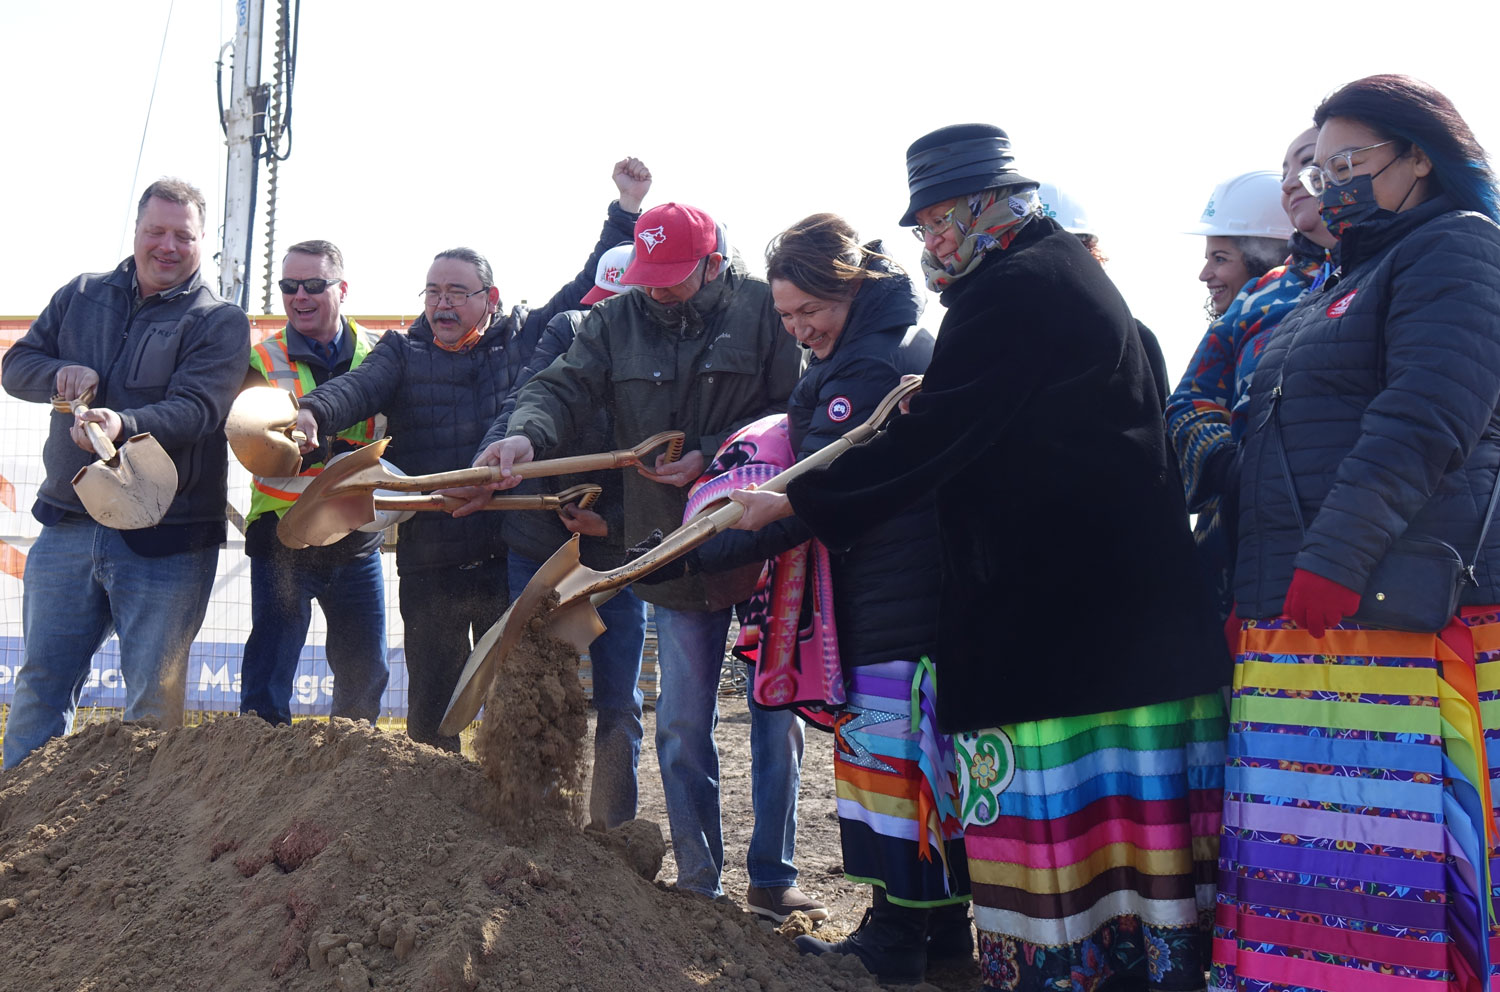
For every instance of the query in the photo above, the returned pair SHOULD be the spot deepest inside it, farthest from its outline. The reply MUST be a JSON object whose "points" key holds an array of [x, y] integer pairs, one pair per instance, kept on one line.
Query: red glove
{"points": [[1315, 603]]}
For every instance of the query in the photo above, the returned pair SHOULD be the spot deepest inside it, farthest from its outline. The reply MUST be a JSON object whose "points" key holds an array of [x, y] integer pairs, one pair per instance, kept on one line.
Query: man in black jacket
{"points": [[440, 387], [159, 352]]}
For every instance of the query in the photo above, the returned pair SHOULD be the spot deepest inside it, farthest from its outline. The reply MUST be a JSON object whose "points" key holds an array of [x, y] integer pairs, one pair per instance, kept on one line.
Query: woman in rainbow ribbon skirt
{"points": [[1206, 413], [1078, 652], [1358, 823]]}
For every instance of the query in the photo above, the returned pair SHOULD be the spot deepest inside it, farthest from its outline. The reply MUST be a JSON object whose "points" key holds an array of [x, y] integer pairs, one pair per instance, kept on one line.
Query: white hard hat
{"points": [[1247, 206], [1064, 209], [383, 518]]}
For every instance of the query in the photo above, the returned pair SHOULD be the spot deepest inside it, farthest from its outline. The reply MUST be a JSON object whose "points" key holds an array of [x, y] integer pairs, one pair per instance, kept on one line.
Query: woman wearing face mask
{"points": [[1358, 823], [1206, 413], [1078, 655], [852, 309], [1244, 234]]}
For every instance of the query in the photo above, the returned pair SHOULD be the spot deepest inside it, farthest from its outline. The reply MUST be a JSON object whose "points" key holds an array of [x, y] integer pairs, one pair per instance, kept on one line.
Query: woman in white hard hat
{"points": [[1245, 233], [1206, 412]]}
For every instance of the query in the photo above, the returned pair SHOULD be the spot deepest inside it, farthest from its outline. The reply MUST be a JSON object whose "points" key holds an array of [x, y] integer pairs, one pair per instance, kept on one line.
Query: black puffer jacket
{"points": [[537, 535], [1070, 584], [886, 585], [1389, 376]]}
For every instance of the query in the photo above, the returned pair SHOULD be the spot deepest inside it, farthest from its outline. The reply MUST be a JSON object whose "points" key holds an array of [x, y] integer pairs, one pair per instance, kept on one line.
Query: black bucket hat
{"points": [[958, 159]]}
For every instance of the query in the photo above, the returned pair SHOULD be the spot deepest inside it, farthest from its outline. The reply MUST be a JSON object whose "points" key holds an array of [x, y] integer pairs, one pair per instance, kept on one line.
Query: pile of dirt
{"points": [[240, 856]]}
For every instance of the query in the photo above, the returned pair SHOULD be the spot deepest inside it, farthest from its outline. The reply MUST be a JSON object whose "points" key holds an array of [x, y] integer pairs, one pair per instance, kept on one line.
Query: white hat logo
{"points": [[653, 237]]}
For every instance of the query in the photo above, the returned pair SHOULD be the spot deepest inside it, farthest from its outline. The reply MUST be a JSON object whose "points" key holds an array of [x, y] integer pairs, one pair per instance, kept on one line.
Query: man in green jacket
{"points": [[699, 350]]}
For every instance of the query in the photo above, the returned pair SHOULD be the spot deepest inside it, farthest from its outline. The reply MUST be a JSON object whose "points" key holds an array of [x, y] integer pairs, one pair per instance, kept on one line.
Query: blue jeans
{"points": [[615, 657], [351, 593], [690, 653], [82, 584]]}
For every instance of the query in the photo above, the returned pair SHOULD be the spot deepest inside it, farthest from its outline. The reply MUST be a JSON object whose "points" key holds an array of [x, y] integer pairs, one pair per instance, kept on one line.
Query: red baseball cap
{"points": [[670, 241]]}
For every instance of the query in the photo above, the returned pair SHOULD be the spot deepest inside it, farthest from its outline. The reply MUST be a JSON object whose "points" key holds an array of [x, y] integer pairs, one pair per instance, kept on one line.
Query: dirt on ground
{"points": [[330, 855]]}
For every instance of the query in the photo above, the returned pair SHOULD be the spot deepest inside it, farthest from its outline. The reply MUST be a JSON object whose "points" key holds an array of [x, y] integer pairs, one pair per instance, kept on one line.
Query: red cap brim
{"points": [[659, 274], [595, 295]]}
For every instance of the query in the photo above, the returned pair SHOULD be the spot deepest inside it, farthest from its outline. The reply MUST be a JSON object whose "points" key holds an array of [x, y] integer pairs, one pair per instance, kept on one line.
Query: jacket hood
{"points": [[881, 306]]}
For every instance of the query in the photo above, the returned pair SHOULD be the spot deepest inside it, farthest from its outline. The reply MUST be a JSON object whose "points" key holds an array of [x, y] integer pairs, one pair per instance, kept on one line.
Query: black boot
{"points": [[891, 942], [949, 938]]}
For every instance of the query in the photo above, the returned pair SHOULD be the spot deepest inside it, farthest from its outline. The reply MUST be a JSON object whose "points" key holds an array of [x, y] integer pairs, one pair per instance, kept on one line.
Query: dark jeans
{"points": [[351, 593], [445, 611]]}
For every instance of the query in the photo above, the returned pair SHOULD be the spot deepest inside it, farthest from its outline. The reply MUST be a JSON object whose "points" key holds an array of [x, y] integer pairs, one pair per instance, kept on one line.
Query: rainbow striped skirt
{"points": [[1358, 828], [1092, 844], [897, 797]]}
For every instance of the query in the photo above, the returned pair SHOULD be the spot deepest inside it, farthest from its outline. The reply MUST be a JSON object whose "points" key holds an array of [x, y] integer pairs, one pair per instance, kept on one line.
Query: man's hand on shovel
{"points": [[75, 381], [307, 424], [513, 450], [109, 422], [761, 508], [683, 472]]}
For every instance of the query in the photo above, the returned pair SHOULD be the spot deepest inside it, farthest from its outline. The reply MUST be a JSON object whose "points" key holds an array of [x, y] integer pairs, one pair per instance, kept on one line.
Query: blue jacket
{"points": [[1389, 377], [169, 365], [438, 405]]}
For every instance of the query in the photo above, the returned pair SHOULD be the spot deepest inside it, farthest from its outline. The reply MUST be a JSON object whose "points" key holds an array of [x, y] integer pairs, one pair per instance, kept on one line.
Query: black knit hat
{"points": [[959, 159]]}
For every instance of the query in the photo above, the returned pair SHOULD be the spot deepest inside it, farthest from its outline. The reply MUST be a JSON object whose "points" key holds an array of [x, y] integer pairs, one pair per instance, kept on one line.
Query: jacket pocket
{"points": [[155, 356]]}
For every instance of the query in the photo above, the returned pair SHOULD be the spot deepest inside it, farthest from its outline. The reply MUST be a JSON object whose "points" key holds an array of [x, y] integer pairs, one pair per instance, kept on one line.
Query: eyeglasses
{"points": [[453, 297], [940, 226], [1337, 171], [313, 286]]}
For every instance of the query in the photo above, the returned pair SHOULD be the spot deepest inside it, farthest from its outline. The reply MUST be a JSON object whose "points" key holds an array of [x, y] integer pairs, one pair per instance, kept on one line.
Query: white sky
{"points": [[494, 124]]}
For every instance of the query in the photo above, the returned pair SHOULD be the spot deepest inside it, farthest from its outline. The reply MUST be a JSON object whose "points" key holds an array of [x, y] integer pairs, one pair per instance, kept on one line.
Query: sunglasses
{"points": [[313, 286]]}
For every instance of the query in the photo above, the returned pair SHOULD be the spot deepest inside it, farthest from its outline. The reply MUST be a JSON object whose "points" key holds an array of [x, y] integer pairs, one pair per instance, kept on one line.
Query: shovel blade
{"points": [[131, 491], [259, 428], [491, 649], [319, 523]]}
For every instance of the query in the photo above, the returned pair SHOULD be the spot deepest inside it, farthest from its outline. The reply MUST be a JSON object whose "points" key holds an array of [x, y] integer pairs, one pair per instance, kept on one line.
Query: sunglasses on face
{"points": [[313, 286]]}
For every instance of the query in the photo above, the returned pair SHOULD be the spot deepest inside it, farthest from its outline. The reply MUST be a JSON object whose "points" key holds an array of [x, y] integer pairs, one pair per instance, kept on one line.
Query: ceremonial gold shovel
{"points": [[262, 432], [130, 487], [338, 514], [345, 492], [580, 589]]}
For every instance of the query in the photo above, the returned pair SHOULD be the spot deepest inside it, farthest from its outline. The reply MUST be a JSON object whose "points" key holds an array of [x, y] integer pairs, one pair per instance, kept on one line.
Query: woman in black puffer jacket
{"points": [[1372, 427], [854, 311]]}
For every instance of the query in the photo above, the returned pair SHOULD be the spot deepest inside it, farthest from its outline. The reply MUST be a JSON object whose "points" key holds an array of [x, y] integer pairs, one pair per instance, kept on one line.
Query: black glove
{"points": [[674, 569]]}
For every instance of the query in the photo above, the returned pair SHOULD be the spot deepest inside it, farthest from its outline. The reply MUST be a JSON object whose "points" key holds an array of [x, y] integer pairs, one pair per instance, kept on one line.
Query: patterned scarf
{"points": [[985, 221], [787, 637]]}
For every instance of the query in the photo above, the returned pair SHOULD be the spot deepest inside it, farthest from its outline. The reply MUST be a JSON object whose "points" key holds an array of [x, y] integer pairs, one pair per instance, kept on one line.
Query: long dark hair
{"points": [[1409, 110], [821, 255]]}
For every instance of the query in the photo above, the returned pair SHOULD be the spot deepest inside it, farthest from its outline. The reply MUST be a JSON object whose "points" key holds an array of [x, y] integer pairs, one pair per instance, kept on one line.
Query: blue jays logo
{"points": [[652, 238], [839, 409]]}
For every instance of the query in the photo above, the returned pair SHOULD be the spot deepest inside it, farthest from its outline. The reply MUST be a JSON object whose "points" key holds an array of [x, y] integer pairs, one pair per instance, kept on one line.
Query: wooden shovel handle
{"points": [[103, 446], [541, 501]]}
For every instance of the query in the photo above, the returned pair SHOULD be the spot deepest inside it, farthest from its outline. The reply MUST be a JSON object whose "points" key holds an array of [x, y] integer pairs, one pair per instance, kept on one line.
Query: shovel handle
{"points": [[706, 525], [532, 470], [103, 447], [541, 501]]}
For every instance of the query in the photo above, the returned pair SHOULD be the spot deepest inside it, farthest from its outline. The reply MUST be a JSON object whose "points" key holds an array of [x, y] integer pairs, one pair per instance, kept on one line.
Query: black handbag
{"points": [[1417, 585]]}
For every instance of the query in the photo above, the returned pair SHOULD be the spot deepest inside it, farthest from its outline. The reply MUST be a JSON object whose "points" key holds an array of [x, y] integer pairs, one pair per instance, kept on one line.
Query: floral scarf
{"points": [[985, 221]]}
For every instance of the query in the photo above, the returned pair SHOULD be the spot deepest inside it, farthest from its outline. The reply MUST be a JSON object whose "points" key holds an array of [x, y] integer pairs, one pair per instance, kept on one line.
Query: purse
{"points": [[1417, 585]]}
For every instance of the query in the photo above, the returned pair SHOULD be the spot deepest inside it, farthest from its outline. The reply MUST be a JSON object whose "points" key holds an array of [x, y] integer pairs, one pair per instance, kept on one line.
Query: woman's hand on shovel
{"points": [[761, 508]]}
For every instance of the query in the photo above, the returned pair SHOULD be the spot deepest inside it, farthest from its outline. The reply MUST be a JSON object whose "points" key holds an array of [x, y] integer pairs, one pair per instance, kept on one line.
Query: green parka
{"points": [[707, 381]]}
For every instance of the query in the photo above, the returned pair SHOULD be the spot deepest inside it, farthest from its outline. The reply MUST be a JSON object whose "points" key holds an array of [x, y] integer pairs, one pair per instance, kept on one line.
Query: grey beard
{"points": [[681, 317]]}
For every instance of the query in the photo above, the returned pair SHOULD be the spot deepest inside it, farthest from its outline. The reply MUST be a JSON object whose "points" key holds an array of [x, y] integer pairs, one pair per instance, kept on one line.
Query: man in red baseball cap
{"points": [[699, 348]]}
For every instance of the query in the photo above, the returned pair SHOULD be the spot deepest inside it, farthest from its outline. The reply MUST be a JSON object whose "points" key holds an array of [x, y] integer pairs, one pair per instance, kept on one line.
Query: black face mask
{"points": [[1354, 203], [683, 317]]}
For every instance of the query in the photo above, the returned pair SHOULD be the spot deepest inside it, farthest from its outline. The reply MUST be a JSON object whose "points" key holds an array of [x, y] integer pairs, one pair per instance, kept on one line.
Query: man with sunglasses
{"points": [[317, 344], [154, 349]]}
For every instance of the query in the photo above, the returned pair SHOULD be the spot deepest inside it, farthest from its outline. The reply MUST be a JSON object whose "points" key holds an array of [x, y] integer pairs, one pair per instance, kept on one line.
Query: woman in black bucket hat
{"points": [[1079, 652]]}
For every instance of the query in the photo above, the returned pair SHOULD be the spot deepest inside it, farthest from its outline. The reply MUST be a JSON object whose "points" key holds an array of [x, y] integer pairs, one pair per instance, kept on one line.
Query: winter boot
{"points": [[891, 942], [949, 937]]}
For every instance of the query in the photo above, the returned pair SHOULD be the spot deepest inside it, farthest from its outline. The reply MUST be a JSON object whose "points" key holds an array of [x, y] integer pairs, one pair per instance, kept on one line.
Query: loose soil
{"points": [[239, 856]]}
